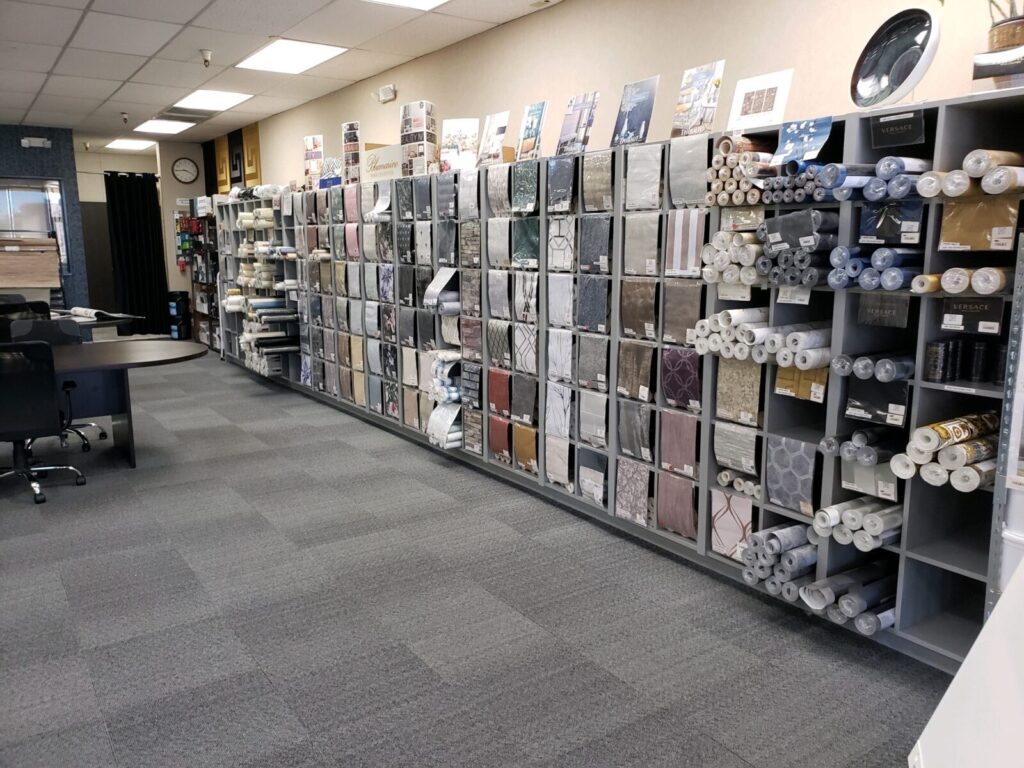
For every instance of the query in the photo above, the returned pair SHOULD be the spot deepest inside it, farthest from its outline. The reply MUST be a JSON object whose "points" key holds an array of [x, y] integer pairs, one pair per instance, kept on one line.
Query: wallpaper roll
{"points": [[595, 246], [498, 239], [499, 391], [941, 434], [643, 177], [636, 363], [680, 377], [498, 197], [593, 475], [790, 473], [561, 294], [681, 309], [593, 418], [739, 391], [636, 430], [592, 368], [469, 243], [561, 183], [472, 338], [499, 342], [498, 294], [632, 492], [676, 511], [561, 354], [640, 250], [731, 522], [499, 438], [558, 460], [525, 185], [597, 181], [679, 442], [524, 340], [592, 303], [638, 308], [525, 299], [558, 405], [470, 288], [687, 162], [526, 242], [736, 447], [469, 202], [562, 243], [524, 441], [404, 242], [683, 242]]}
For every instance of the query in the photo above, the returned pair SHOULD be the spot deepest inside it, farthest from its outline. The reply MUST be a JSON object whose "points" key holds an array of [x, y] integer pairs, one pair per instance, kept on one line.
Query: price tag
{"points": [[894, 419], [871, 240], [910, 238], [896, 408], [960, 390], [602, 328], [601, 377], [1002, 238], [669, 338], [806, 508], [848, 486], [629, 331], [666, 465], [748, 418], [688, 470], [733, 292], [571, 488], [622, 391], [607, 200], [649, 330], [599, 432], [887, 490], [808, 241], [602, 263], [695, 405], [988, 327], [652, 266], [774, 237], [645, 453], [818, 393], [794, 294], [910, 226], [644, 393], [691, 336], [946, 245]]}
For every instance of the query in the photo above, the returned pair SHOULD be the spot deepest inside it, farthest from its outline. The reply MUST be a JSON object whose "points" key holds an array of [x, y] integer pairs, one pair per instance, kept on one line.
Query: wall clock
{"points": [[185, 170]]}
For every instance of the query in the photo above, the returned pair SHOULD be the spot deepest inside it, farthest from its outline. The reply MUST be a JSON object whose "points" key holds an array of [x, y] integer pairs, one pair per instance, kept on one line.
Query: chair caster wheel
{"points": [[103, 435], [86, 447], [80, 481], [40, 498]]}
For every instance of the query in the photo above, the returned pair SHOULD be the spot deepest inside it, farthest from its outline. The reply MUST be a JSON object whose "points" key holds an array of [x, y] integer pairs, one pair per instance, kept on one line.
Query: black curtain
{"points": [[137, 251]]}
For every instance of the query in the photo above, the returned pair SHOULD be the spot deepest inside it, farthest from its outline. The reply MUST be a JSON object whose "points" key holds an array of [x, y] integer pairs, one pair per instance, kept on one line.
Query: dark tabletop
{"points": [[114, 355]]}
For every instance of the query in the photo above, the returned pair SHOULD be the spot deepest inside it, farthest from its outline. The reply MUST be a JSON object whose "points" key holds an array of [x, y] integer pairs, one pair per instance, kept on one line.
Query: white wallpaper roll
{"points": [[733, 317], [974, 476], [810, 339], [809, 359], [785, 358], [935, 475]]}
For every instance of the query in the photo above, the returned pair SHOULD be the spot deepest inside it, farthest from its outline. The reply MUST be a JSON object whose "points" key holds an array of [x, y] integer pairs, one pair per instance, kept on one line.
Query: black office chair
{"points": [[56, 333], [29, 408], [12, 298]]}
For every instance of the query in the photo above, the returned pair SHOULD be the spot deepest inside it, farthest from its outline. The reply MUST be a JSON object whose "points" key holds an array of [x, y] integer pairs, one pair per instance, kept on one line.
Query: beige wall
{"points": [[583, 45], [170, 190], [91, 166]]}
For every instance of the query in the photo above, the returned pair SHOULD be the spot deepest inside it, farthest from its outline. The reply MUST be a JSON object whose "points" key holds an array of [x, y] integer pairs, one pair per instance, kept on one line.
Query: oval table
{"points": [[100, 372]]}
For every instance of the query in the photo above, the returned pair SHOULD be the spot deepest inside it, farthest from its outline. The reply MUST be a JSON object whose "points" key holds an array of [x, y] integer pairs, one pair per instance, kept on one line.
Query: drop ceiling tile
{"points": [[121, 34], [257, 17], [158, 95], [85, 87], [306, 87], [178, 11], [357, 65], [100, 64], [270, 105], [179, 73], [21, 82], [51, 119], [39, 24], [350, 22], [429, 32], [248, 81], [16, 100], [24, 57], [64, 3], [47, 102], [11, 115], [228, 121], [494, 11]]}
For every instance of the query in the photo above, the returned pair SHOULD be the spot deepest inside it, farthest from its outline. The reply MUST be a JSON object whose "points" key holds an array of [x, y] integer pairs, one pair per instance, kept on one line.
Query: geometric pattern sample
{"points": [[498, 231], [640, 244], [731, 519], [597, 181], [675, 508], [499, 342], [632, 492], [595, 244], [562, 243], [643, 177], [525, 348], [525, 180], [681, 308], [680, 376], [789, 474], [525, 300], [404, 238], [739, 391]]}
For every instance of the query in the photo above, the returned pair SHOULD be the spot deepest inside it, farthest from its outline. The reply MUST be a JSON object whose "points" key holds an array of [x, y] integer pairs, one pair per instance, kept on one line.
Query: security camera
{"points": [[124, 118], [207, 56]]}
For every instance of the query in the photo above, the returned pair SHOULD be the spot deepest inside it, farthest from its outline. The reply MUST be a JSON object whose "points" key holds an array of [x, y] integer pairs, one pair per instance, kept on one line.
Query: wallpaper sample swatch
{"points": [[421, 197], [632, 492], [424, 243], [469, 201], [498, 189], [355, 317], [389, 360], [558, 404], [375, 395], [345, 378], [350, 196], [683, 242], [409, 366], [469, 243], [638, 308], [498, 237], [561, 354], [736, 447], [424, 276], [640, 254], [499, 391], [893, 223], [403, 242], [498, 302], [525, 301], [524, 400], [403, 200], [562, 243], [789, 474], [524, 339], [525, 185], [679, 442], [426, 408], [391, 399], [344, 350], [470, 289], [561, 184], [340, 288], [592, 368], [680, 377], [676, 511], [561, 294], [410, 408], [407, 326], [524, 441], [389, 322], [593, 475], [636, 362], [370, 242], [426, 333], [447, 242], [386, 282], [367, 198], [330, 346], [558, 461], [687, 166], [499, 342], [472, 339], [425, 365], [526, 242], [739, 391], [444, 192], [643, 177], [407, 286], [371, 318], [370, 284], [681, 309], [385, 246], [988, 223], [450, 330], [359, 389], [592, 304], [731, 519], [473, 431], [341, 314], [472, 384], [594, 418], [597, 181], [352, 242], [636, 430], [595, 246]]}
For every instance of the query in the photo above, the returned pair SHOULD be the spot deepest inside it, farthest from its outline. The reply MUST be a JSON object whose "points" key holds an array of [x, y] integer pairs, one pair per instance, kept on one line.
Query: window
{"points": [[33, 208]]}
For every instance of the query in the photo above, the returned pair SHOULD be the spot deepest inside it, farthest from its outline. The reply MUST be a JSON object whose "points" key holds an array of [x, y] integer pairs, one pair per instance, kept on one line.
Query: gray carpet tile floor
{"points": [[279, 584]]}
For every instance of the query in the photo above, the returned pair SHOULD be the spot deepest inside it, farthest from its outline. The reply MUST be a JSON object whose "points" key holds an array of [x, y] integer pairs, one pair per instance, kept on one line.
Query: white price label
{"points": [[607, 200], [691, 336], [961, 390], [688, 470], [602, 263], [895, 419], [871, 240], [733, 292], [748, 465], [808, 241], [774, 237], [848, 486], [666, 465], [747, 417], [670, 338], [946, 245], [602, 328], [898, 409], [818, 393], [695, 405], [600, 377], [955, 320], [986, 326], [910, 238], [887, 490], [643, 393], [910, 226], [622, 391], [1002, 238], [652, 266], [806, 508], [645, 453], [599, 432], [649, 330], [794, 294]]}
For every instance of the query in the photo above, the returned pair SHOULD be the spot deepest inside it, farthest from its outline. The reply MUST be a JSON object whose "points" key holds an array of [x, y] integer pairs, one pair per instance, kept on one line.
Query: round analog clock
{"points": [[185, 170]]}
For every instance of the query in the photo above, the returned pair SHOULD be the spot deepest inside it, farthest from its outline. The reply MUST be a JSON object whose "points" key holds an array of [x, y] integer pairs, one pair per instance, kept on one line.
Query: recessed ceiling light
{"points": [[163, 126], [212, 101], [290, 56], [130, 144], [419, 5]]}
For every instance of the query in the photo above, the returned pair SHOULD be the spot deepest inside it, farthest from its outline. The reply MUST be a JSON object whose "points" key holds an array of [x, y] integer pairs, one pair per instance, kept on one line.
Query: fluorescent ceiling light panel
{"points": [[163, 126], [290, 56], [212, 101], [130, 144], [419, 5]]}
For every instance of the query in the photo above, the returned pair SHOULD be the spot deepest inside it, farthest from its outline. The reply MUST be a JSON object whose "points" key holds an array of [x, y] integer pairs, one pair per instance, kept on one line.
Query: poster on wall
{"points": [[635, 111], [698, 99], [529, 133], [313, 159], [459, 140], [351, 150], [760, 100], [493, 138], [418, 137], [576, 125]]}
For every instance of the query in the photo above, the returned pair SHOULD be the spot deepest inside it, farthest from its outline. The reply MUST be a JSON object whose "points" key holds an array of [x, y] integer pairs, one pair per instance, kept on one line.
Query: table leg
{"points": [[122, 430]]}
